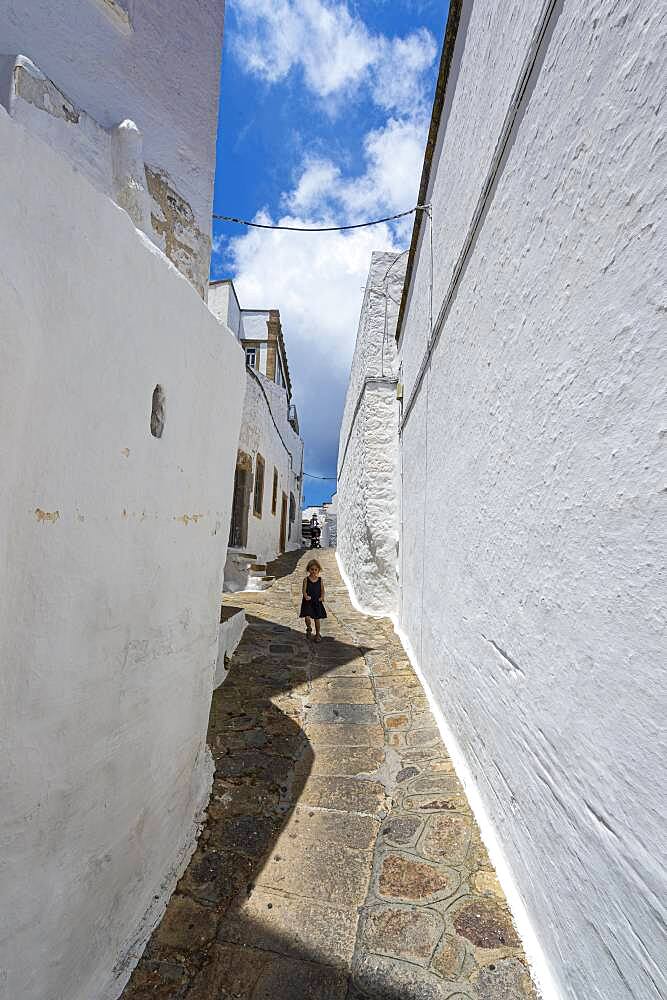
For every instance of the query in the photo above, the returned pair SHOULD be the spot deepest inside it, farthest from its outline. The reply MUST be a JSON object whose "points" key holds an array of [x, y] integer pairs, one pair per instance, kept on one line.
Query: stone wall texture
{"points": [[367, 528], [530, 587], [111, 550]]}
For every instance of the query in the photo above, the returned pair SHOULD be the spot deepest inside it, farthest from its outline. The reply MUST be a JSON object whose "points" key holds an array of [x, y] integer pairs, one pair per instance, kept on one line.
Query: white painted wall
{"points": [[229, 637], [331, 511], [223, 303], [111, 551], [368, 521], [255, 328], [255, 324], [531, 589], [265, 429], [156, 62]]}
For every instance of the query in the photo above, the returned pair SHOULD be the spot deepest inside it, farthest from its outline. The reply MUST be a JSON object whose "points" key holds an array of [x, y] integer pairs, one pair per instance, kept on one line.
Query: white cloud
{"points": [[335, 51], [394, 156], [317, 279], [318, 185], [398, 83], [388, 185]]}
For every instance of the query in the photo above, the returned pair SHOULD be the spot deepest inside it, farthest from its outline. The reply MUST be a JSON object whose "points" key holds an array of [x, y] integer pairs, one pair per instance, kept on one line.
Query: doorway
{"points": [[238, 530], [283, 523]]}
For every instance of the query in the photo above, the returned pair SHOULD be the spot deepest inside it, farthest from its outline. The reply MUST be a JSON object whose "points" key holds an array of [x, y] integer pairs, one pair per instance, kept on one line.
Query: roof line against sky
{"points": [[446, 59]]}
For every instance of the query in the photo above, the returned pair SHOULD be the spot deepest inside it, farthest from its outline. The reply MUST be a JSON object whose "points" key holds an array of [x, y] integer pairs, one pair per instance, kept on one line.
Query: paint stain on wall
{"points": [[187, 518], [47, 515]]}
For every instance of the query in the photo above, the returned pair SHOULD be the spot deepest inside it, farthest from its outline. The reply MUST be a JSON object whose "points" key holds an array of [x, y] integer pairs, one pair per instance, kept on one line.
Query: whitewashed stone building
{"points": [[522, 484], [269, 465], [368, 478], [117, 449]]}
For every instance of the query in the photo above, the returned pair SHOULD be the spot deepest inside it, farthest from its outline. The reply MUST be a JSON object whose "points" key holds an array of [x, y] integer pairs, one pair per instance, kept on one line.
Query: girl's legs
{"points": [[309, 626], [317, 630]]}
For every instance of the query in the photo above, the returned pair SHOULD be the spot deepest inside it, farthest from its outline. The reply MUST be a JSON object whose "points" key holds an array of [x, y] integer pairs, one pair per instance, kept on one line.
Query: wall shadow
{"points": [[262, 761], [285, 564]]}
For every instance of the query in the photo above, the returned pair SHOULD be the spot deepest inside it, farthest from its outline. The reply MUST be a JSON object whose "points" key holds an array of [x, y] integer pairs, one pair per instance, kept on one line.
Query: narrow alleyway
{"points": [[340, 859]]}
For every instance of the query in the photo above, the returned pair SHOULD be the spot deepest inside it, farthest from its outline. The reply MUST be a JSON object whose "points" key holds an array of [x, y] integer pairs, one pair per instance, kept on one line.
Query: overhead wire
{"points": [[317, 229]]}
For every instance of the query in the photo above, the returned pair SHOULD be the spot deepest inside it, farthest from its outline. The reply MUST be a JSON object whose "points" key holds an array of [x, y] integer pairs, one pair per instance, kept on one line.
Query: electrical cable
{"points": [[328, 479], [318, 229]]}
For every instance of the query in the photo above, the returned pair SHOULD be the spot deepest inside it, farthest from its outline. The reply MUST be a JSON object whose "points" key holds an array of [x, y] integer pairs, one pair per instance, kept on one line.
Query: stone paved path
{"points": [[340, 859]]}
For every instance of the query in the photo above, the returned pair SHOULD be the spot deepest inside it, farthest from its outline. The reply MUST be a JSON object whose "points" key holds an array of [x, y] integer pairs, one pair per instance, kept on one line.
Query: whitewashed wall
{"points": [[156, 62], [531, 460], [223, 303], [265, 429], [111, 551], [255, 328], [368, 514]]}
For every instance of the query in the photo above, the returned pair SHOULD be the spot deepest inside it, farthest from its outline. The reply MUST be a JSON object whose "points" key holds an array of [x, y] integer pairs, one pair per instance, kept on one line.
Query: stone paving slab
{"points": [[344, 761], [340, 859], [332, 826], [294, 925], [337, 734]]}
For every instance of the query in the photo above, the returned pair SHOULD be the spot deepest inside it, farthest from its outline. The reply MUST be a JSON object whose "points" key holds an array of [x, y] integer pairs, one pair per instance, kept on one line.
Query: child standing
{"points": [[312, 606]]}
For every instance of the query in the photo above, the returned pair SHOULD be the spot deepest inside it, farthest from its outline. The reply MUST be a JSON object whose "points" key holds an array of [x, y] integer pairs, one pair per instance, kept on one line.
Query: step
{"points": [[238, 554], [258, 567]]}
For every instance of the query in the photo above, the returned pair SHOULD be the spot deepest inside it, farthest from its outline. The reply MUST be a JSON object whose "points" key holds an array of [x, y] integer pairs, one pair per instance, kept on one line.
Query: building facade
{"points": [[116, 86], [526, 456], [118, 450], [269, 468], [368, 476]]}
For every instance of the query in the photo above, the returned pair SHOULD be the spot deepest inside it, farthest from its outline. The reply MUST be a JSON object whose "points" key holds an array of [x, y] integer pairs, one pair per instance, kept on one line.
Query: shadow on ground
{"points": [[285, 564], [202, 950]]}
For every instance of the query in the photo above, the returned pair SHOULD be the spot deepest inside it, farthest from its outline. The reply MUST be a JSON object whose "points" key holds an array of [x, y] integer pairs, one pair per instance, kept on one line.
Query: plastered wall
{"points": [[156, 62], [530, 562], [368, 514], [111, 550]]}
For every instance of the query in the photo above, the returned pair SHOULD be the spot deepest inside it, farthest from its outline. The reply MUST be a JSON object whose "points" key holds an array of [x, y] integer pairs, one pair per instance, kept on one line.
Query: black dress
{"points": [[314, 607]]}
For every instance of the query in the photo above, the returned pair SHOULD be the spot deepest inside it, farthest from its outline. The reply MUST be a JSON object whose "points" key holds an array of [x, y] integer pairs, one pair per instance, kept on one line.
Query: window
{"points": [[251, 357], [259, 487], [274, 496]]}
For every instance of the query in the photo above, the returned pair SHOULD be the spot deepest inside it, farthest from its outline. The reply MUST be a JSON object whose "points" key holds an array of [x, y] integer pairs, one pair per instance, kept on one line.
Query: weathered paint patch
{"points": [[184, 243], [36, 89], [47, 515], [189, 518]]}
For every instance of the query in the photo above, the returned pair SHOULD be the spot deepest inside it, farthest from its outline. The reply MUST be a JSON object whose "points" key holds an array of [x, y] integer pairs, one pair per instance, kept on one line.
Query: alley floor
{"points": [[340, 859]]}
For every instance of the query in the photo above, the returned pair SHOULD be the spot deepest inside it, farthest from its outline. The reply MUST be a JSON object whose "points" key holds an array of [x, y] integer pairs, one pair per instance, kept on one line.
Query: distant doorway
{"points": [[283, 523], [238, 531]]}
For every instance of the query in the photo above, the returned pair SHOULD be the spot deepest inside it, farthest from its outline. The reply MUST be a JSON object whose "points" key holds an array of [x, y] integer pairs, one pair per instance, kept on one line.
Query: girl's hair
{"points": [[313, 562]]}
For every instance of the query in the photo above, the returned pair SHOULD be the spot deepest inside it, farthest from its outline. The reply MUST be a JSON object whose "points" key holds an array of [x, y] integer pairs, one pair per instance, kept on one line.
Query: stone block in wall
{"points": [[113, 160], [35, 102]]}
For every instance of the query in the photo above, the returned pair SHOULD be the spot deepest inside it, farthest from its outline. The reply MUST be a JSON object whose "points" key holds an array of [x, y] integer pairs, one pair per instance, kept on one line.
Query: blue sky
{"points": [[324, 110]]}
